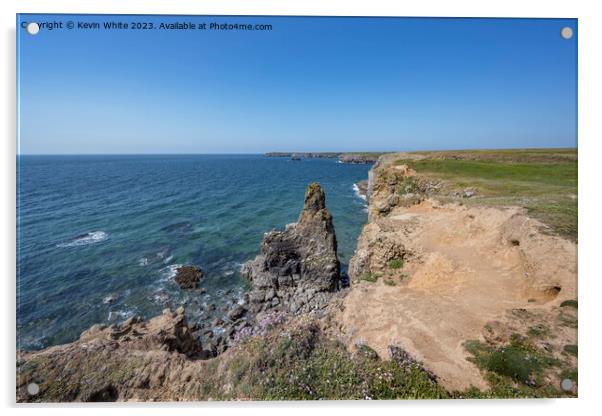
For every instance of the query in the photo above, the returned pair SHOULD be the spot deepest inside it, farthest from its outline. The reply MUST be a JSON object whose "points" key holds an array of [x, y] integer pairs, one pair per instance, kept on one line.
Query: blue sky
{"points": [[309, 84]]}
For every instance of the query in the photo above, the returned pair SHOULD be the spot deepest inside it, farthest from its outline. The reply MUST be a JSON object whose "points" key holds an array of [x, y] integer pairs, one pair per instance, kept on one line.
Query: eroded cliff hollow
{"points": [[298, 268]]}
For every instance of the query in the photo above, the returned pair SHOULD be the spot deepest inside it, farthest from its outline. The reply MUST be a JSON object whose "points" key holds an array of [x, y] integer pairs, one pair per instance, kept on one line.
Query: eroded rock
{"points": [[297, 267], [188, 277], [138, 359]]}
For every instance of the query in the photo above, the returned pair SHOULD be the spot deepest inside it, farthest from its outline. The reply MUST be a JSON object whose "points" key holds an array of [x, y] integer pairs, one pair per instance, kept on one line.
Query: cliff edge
{"points": [[432, 275]]}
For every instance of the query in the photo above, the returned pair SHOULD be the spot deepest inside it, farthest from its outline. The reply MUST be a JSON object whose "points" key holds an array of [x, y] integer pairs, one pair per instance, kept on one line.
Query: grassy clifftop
{"points": [[542, 180]]}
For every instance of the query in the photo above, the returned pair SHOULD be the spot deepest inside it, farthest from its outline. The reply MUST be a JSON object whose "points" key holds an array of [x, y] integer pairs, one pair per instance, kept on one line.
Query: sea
{"points": [[99, 238]]}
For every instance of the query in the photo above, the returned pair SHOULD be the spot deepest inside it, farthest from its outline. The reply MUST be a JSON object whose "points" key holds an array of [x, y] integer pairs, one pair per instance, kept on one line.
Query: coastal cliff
{"points": [[440, 270], [451, 296]]}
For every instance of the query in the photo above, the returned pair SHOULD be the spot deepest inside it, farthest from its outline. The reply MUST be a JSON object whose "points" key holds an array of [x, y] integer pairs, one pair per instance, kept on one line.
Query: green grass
{"points": [[395, 264], [542, 180], [570, 373], [366, 351], [519, 360], [538, 331], [305, 365], [517, 369], [409, 185], [369, 277]]}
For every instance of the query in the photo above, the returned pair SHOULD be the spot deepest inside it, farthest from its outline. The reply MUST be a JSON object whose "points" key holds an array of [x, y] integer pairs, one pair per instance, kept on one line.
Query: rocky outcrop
{"points": [[167, 332], [188, 277], [393, 185], [151, 359], [298, 268]]}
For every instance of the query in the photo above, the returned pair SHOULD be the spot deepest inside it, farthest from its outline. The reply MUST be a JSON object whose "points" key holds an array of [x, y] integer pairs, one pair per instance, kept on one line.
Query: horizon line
{"points": [[296, 151]]}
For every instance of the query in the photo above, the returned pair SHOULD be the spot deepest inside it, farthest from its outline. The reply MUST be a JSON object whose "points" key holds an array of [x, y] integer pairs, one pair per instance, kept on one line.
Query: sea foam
{"points": [[356, 189], [85, 239]]}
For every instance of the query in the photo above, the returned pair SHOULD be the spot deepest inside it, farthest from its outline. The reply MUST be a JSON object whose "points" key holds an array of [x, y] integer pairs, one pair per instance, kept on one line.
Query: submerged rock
{"points": [[188, 277], [298, 268]]}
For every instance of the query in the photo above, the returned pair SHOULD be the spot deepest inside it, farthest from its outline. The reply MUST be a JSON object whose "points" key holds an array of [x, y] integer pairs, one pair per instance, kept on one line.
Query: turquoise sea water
{"points": [[99, 237]]}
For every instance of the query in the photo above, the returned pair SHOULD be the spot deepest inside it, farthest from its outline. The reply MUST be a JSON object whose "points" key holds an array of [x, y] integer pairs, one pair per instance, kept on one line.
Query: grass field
{"points": [[544, 181]]}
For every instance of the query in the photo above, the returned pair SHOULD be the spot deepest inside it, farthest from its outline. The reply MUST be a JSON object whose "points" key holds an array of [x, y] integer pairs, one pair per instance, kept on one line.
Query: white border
{"points": [[590, 152]]}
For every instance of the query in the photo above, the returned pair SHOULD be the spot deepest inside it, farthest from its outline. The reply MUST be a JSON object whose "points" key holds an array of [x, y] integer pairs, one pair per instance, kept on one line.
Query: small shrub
{"points": [[572, 303], [567, 320], [409, 185], [390, 282], [369, 277], [570, 373], [538, 331], [571, 349], [395, 264], [365, 351]]}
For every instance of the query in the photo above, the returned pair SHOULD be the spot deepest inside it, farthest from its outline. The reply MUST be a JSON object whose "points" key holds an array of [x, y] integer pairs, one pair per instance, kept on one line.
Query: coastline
{"points": [[385, 320]]}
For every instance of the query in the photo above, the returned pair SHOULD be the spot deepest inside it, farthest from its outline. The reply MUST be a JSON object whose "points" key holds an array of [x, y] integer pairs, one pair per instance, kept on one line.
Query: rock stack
{"points": [[298, 268]]}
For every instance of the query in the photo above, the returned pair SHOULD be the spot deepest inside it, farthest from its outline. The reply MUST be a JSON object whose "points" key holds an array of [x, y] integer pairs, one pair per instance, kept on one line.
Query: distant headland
{"points": [[350, 157]]}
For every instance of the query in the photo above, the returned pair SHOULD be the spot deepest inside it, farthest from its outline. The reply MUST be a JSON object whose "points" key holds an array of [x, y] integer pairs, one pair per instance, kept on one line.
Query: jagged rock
{"points": [[237, 312], [188, 277], [168, 331], [115, 362], [298, 262]]}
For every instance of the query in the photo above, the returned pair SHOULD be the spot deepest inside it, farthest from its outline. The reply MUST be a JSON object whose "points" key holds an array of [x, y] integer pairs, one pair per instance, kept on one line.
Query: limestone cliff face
{"points": [[298, 268], [389, 186]]}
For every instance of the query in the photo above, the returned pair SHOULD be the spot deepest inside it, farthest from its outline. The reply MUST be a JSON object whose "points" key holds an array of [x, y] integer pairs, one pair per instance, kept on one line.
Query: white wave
{"points": [[143, 262], [160, 297], [120, 315], [110, 298], [356, 189], [85, 239], [167, 260], [172, 270]]}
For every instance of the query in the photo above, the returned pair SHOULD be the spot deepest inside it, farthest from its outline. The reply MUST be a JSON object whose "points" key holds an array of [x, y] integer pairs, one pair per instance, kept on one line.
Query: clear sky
{"points": [[309, 84]]}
